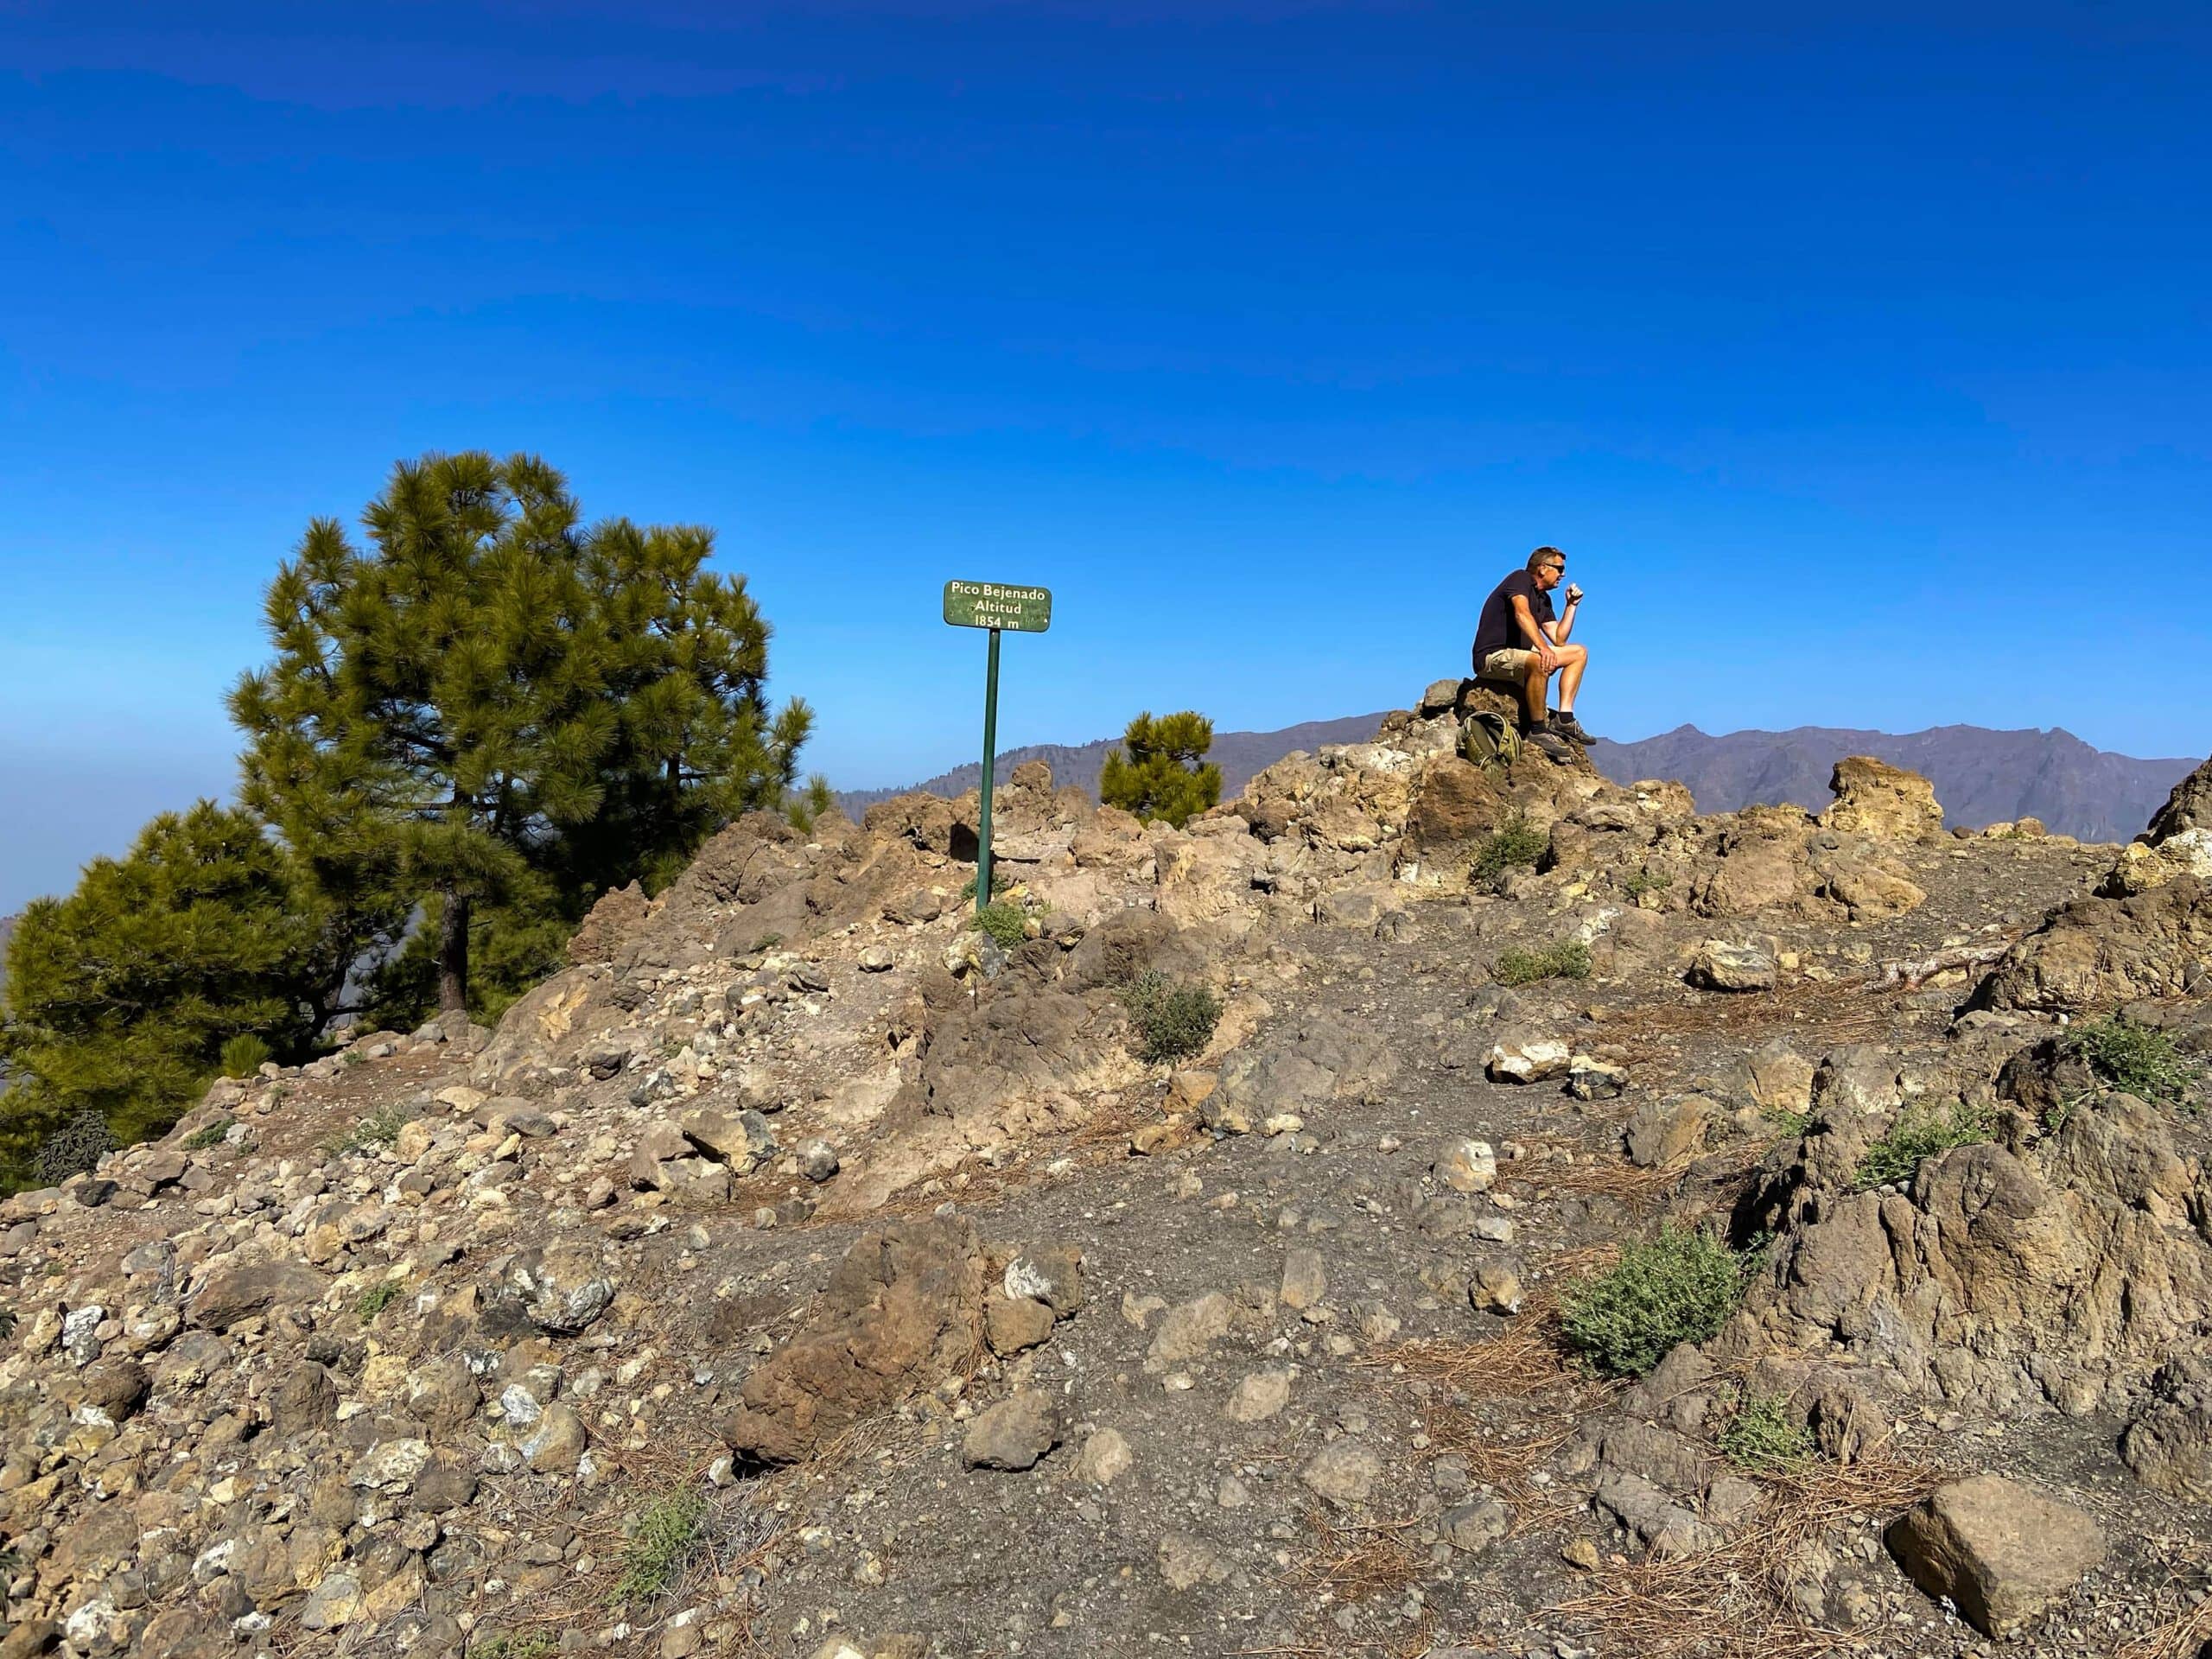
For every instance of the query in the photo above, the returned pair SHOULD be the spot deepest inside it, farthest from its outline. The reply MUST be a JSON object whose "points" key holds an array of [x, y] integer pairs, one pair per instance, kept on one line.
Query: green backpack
{"points": [[1489, 740]]}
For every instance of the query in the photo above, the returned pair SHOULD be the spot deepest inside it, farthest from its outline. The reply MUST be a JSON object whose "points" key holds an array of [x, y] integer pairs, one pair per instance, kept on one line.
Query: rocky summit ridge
{"points": [[805, 1271]]}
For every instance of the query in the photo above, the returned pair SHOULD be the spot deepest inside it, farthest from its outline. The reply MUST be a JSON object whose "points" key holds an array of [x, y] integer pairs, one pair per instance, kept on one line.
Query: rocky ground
{"points": [[804, 1272]]}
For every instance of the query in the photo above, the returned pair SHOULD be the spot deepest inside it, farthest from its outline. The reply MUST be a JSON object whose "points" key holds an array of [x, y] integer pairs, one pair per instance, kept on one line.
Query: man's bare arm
{"points": [[1539, 641], [1565, 625]]}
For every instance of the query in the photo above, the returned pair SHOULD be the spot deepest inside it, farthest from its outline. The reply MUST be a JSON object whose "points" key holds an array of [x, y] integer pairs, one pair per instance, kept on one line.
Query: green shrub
{"points": [[1003, 922], [1761, 1433], [508, 1644], [208, 1134], [377, 1130], [1515, 844], [1679, 1288], [2139, 1060], [1174, 1021], [245, 1055], [1644, 881], [377, 1297], [1921, 1132], [1563, 959], [1790, 1123], [999, 882], [664, 1536]]}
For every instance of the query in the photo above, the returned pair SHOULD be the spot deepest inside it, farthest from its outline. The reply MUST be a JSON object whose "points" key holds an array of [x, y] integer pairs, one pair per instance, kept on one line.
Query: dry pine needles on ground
{"points": [[1732, 1602]]}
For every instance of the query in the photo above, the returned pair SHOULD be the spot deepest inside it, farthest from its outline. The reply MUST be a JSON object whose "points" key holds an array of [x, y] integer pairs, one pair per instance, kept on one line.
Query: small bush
{"points": [[1003, 922], [1563, 959], [1790, 1123], [377, 1130], [377, 1297], [1514, 844], [508, 1644], [663, 1537], [2139, 1060], [1174, 1021], [999, 882], [77, 1145], [245, 1055], [1921, 1132], [208, 1134], [1644, 881], [1762, 1434], [1679, 1288]]}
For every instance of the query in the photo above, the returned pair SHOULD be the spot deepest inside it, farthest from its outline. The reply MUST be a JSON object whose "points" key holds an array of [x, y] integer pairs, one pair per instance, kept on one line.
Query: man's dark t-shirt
{"points": [[1498, 631]]}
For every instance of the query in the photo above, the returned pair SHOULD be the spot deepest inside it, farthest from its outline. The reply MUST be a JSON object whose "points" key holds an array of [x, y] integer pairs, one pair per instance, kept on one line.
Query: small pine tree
{"points": [[122, 997], [805, 806], [1159, 772], [497, 711]]}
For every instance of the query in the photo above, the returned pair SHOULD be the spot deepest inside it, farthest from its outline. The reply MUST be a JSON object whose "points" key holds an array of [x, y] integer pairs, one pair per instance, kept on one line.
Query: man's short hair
{"points": [[1542, 555]]}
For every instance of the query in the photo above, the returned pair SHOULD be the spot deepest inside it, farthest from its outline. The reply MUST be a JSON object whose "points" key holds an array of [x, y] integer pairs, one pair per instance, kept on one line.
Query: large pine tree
{"points": [[121, 996], [495, 708]]}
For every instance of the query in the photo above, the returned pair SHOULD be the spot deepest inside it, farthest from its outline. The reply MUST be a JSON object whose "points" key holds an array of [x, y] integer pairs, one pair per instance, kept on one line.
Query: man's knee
{"points": [[1574, 653]]}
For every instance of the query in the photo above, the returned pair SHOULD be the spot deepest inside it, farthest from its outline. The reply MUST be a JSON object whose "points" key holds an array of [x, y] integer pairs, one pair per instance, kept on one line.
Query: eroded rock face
{"points": [[610, 925], [904, 1309], [2099, 952], [1882, 802], [2168, 1442], [2178, 842], [2065, 1272]]}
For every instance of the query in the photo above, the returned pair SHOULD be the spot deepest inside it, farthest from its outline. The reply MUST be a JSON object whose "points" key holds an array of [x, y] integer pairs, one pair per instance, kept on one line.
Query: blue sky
{"points": [[1858, 358]]}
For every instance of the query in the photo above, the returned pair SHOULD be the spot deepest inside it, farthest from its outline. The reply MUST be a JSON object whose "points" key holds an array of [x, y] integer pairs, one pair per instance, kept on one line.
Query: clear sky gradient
{"points": [[1857, 355]]}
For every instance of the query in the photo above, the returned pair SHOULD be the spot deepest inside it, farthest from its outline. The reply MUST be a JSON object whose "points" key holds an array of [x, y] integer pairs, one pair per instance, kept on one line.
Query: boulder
{"points": [[2099, 953], [2000, 1551], [1882, 802], [1014, 1434], [902, 1310], [2178, 842], [1662, 1132], [1467, 1166], [243, 1290], [1721, 965], [1527, 1059]]}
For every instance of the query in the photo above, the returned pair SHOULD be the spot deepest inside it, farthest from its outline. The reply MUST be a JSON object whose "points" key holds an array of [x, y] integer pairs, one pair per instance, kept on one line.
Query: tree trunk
{"points": [[453, 954]]}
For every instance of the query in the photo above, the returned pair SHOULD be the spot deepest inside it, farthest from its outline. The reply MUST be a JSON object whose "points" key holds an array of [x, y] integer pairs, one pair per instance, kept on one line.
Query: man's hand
{"points": [[1573, 594], [1547, 658]]}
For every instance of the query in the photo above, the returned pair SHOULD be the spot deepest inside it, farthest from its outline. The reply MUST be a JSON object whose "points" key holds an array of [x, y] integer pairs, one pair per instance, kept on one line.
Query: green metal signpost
{"points": [[1002, 607]]}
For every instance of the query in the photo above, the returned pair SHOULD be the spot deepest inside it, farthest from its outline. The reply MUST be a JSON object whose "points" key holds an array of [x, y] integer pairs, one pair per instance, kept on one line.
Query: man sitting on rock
{"points": [[1520, 642]]}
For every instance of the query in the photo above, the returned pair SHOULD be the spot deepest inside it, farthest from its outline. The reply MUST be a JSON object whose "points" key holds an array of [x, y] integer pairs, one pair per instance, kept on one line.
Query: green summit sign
{"points": [[997, 604], [1002, 607]]}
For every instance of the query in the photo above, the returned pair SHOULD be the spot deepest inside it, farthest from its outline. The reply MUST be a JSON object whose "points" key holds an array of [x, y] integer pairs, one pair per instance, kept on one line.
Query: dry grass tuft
{"points": [[1357, 1561], [1732, 1602]]}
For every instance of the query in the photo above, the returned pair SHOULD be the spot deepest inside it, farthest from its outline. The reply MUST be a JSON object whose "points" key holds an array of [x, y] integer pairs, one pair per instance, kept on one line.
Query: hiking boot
{"points": [[1549, 744], [1570, 729]]}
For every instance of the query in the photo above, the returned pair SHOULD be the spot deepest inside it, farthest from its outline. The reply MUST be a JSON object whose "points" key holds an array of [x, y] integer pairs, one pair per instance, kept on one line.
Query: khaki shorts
{"points": [[1511, 665]]}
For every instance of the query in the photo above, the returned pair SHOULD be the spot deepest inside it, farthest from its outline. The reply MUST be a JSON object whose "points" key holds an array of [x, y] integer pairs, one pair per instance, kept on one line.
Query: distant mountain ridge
{"points": [[1239, 754], [1980, 776]]}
